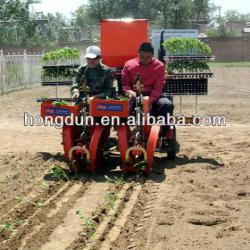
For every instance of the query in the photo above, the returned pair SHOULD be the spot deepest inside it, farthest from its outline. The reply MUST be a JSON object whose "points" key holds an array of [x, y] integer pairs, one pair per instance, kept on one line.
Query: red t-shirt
{"points": [[152, 77]]}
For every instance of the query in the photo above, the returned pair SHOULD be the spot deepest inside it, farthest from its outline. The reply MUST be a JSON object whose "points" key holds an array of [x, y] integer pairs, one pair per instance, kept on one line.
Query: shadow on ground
{"points": [[111, 168]]}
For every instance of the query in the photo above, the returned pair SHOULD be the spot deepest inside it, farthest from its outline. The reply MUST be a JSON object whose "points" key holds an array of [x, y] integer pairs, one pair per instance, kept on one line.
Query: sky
{"points": [[66, 7]]}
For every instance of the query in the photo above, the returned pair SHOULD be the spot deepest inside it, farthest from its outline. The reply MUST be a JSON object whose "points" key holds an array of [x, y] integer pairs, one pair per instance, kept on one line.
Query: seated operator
{"points": [[151, 72], [97, 76]]}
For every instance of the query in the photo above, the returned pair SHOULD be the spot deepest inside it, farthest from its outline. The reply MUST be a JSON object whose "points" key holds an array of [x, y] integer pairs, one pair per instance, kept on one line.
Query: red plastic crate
{"points": [[50, 110], [99, 108]]}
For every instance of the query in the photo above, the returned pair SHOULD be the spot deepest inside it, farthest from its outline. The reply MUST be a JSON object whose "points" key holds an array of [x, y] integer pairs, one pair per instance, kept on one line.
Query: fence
{"points": [[19, 71]]}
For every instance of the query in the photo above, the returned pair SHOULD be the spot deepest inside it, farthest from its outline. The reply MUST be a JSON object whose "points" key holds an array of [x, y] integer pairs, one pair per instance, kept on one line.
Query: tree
{"points": [[99, 9], [17, 24], [222, 26], [165, 13], [201, 9]]}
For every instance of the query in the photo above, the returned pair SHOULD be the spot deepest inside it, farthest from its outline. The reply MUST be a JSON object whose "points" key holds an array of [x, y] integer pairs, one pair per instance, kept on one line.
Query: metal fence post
{"points": [[2, 72], [25, 69], [82, 59]]}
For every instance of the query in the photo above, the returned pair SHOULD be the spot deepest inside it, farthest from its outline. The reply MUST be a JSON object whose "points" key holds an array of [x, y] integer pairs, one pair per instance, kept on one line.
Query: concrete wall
{"points": [[230, 49], [226, 49]]}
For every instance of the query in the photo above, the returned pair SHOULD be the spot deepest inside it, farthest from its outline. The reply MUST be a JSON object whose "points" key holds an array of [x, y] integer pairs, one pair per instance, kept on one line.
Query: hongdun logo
{"points": [[110, 107], [57, 111]]}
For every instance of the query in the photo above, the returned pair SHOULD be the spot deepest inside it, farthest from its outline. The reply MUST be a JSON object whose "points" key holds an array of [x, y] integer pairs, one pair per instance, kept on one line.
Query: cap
{"points": [[92, 52]]}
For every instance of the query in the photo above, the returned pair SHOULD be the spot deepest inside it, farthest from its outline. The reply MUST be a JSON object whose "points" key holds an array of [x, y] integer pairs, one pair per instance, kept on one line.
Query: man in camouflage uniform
{"points": [[98, 76]]}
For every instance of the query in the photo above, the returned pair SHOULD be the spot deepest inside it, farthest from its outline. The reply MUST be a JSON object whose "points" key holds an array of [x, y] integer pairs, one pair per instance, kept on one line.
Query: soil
{"points": [[200, 200]]}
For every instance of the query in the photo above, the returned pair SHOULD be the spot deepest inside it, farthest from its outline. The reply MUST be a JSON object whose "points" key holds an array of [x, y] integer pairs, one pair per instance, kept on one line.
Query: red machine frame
{"points": [[92, 151], [84, 145]]}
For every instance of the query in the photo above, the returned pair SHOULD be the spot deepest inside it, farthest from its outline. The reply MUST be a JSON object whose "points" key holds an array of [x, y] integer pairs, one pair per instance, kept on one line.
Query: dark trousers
{"points": [[162, 107]]}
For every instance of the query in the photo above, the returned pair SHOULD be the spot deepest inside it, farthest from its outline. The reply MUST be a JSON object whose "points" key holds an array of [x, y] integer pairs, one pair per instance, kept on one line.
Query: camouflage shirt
{"points": [[98, 79]]}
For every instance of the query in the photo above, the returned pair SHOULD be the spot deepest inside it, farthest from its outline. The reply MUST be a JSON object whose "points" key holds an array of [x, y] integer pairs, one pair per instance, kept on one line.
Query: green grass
{"points": [[229, 64]]}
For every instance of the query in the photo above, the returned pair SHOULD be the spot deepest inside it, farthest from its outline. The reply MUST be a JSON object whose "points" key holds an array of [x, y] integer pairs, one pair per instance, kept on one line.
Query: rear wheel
{"points": [[171, 146]]}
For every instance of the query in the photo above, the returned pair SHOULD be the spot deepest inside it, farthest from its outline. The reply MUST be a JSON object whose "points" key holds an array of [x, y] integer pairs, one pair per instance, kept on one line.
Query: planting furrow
{"points": [[43, 218], [37, 187], [110, 219], [25, 173], [107, 222], [134, 221], [70, 225], [119, 224], [25, 207]]}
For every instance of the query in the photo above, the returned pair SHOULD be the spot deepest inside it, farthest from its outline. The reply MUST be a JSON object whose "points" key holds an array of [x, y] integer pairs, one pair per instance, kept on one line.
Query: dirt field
{"points": [[201, 200]]}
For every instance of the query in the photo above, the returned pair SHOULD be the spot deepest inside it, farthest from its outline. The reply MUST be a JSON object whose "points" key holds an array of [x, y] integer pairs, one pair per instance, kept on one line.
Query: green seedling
{"points": [[111, 198], [116, 180], [186, 46], [11, 226], [8, 227], [61, 103], [140, 167], [39, 204], [89, 234], [64, 53], [19, 199], [58, 173], [124, 97], [88, 223], [80, 214], [7, 179], [44, 184]]}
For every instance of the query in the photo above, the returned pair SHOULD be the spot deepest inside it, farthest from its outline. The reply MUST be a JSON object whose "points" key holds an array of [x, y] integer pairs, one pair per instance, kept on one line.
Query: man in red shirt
{"points": [[151, 72]]}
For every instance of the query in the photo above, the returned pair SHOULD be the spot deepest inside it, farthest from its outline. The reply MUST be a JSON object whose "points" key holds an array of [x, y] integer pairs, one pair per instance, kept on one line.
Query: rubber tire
{"points": [[171, 152]]}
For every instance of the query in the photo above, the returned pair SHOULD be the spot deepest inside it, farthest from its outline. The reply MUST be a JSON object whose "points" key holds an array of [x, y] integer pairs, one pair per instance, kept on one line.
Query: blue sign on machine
{"points": [[110, 107], [57, 112]]}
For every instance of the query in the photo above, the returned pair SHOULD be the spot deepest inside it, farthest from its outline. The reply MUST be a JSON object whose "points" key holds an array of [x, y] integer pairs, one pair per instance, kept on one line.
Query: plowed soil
{"points": [[200, 200]]}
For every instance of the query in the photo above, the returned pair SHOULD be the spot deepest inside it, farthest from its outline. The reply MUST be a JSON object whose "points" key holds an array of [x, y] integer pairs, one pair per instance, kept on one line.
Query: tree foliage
{"points": [[167, 13], [19, 26], [223, 26]]}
